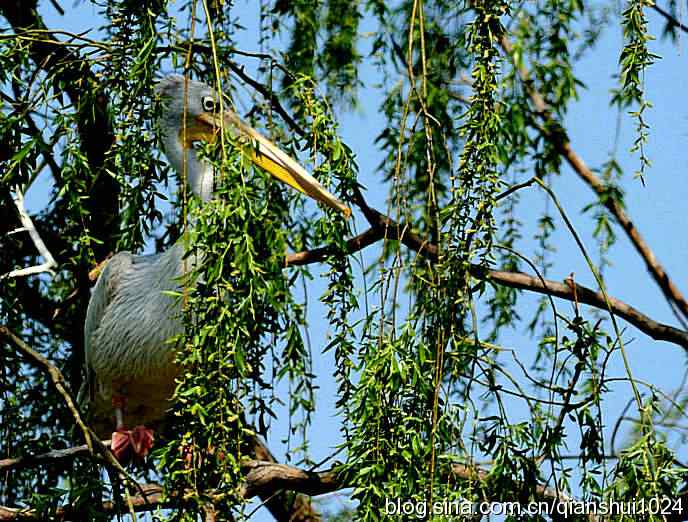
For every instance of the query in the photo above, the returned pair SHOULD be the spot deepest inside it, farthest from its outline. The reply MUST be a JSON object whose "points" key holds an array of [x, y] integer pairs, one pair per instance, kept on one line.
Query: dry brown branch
{"points": [[383, 226], [563, 146]]}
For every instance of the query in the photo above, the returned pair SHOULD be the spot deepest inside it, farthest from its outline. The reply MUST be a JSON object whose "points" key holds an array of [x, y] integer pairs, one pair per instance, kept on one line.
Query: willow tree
{"points": [[439, 395]]}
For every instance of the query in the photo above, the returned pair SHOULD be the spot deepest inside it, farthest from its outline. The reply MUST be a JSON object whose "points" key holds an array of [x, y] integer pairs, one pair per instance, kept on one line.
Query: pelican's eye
{"points": [[208, 104]]}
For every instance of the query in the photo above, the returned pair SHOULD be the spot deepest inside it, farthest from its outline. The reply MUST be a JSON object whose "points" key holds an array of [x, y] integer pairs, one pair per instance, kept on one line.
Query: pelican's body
{"points": [[131, 318], [132, 314]]}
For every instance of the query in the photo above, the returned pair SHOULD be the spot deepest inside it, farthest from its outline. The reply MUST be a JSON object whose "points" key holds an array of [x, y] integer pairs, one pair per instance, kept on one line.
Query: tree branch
{"points": [[317, 255], [70, 73], [282, 508], [383, 226], [28, 226], [239, 70], [264, 478], [49, 457], [673, 22], [298, 508], [563, 146]]}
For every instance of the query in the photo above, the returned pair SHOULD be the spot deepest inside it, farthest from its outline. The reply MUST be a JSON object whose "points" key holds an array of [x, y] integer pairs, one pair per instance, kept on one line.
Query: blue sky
{"points": [[657, 209]]}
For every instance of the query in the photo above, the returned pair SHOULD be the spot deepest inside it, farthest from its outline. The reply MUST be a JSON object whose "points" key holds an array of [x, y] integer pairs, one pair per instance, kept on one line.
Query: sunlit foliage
{"points": [[474, 96]]}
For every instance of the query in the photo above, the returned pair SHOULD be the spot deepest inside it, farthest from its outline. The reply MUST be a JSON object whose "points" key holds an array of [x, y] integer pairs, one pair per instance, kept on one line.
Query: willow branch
{"points": [[239, 70], [317, 255], [267, 93], [563, 146], [49, 457], [281, 507]]}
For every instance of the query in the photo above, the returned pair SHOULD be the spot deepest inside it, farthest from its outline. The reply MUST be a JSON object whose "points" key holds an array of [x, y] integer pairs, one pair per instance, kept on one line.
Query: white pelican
{"points": [[130, 369]]}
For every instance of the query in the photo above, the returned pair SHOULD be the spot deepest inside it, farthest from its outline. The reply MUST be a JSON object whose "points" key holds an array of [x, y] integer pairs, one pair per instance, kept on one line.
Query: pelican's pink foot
{"points": [[120, 443], [142, 440], [138, 441]]}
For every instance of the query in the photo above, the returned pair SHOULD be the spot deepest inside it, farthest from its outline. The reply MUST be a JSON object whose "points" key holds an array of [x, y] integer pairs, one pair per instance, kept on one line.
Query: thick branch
{"points": [[283, 506], [563, 146], [264, 478]]}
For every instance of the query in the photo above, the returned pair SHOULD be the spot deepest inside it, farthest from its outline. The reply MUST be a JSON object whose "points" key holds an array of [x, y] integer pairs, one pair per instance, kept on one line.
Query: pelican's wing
{"points": [[101, 297]]}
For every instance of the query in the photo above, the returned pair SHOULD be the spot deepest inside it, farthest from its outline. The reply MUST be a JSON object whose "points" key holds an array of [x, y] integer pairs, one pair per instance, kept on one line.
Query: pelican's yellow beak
{"points": [[270, 158]]}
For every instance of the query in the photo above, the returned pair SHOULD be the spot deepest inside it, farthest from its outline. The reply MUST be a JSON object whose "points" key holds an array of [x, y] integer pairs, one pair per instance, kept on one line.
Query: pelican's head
{"points": [[191, 112]]}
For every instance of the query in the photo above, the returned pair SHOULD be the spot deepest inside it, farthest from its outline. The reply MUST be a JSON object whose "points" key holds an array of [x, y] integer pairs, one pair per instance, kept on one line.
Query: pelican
{"points": [[130, 365]]}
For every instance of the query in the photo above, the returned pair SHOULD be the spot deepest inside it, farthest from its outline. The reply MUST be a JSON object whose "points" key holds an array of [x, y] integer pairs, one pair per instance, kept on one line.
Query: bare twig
{"points": [[48, 457], [28, 226], [673, 22]]}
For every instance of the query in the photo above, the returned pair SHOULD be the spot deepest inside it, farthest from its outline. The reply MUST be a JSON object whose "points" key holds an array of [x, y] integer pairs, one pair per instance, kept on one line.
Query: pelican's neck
{"points": [[198, 174]]}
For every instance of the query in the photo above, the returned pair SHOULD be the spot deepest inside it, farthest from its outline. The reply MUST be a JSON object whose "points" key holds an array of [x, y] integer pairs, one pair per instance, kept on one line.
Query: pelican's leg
{"points": [[121, 436], [118, 403], [140, 439]]}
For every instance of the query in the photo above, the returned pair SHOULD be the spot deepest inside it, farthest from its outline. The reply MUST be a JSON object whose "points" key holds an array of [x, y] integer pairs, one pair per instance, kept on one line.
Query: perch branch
{"points": [[278, 505], [263, 478]]}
